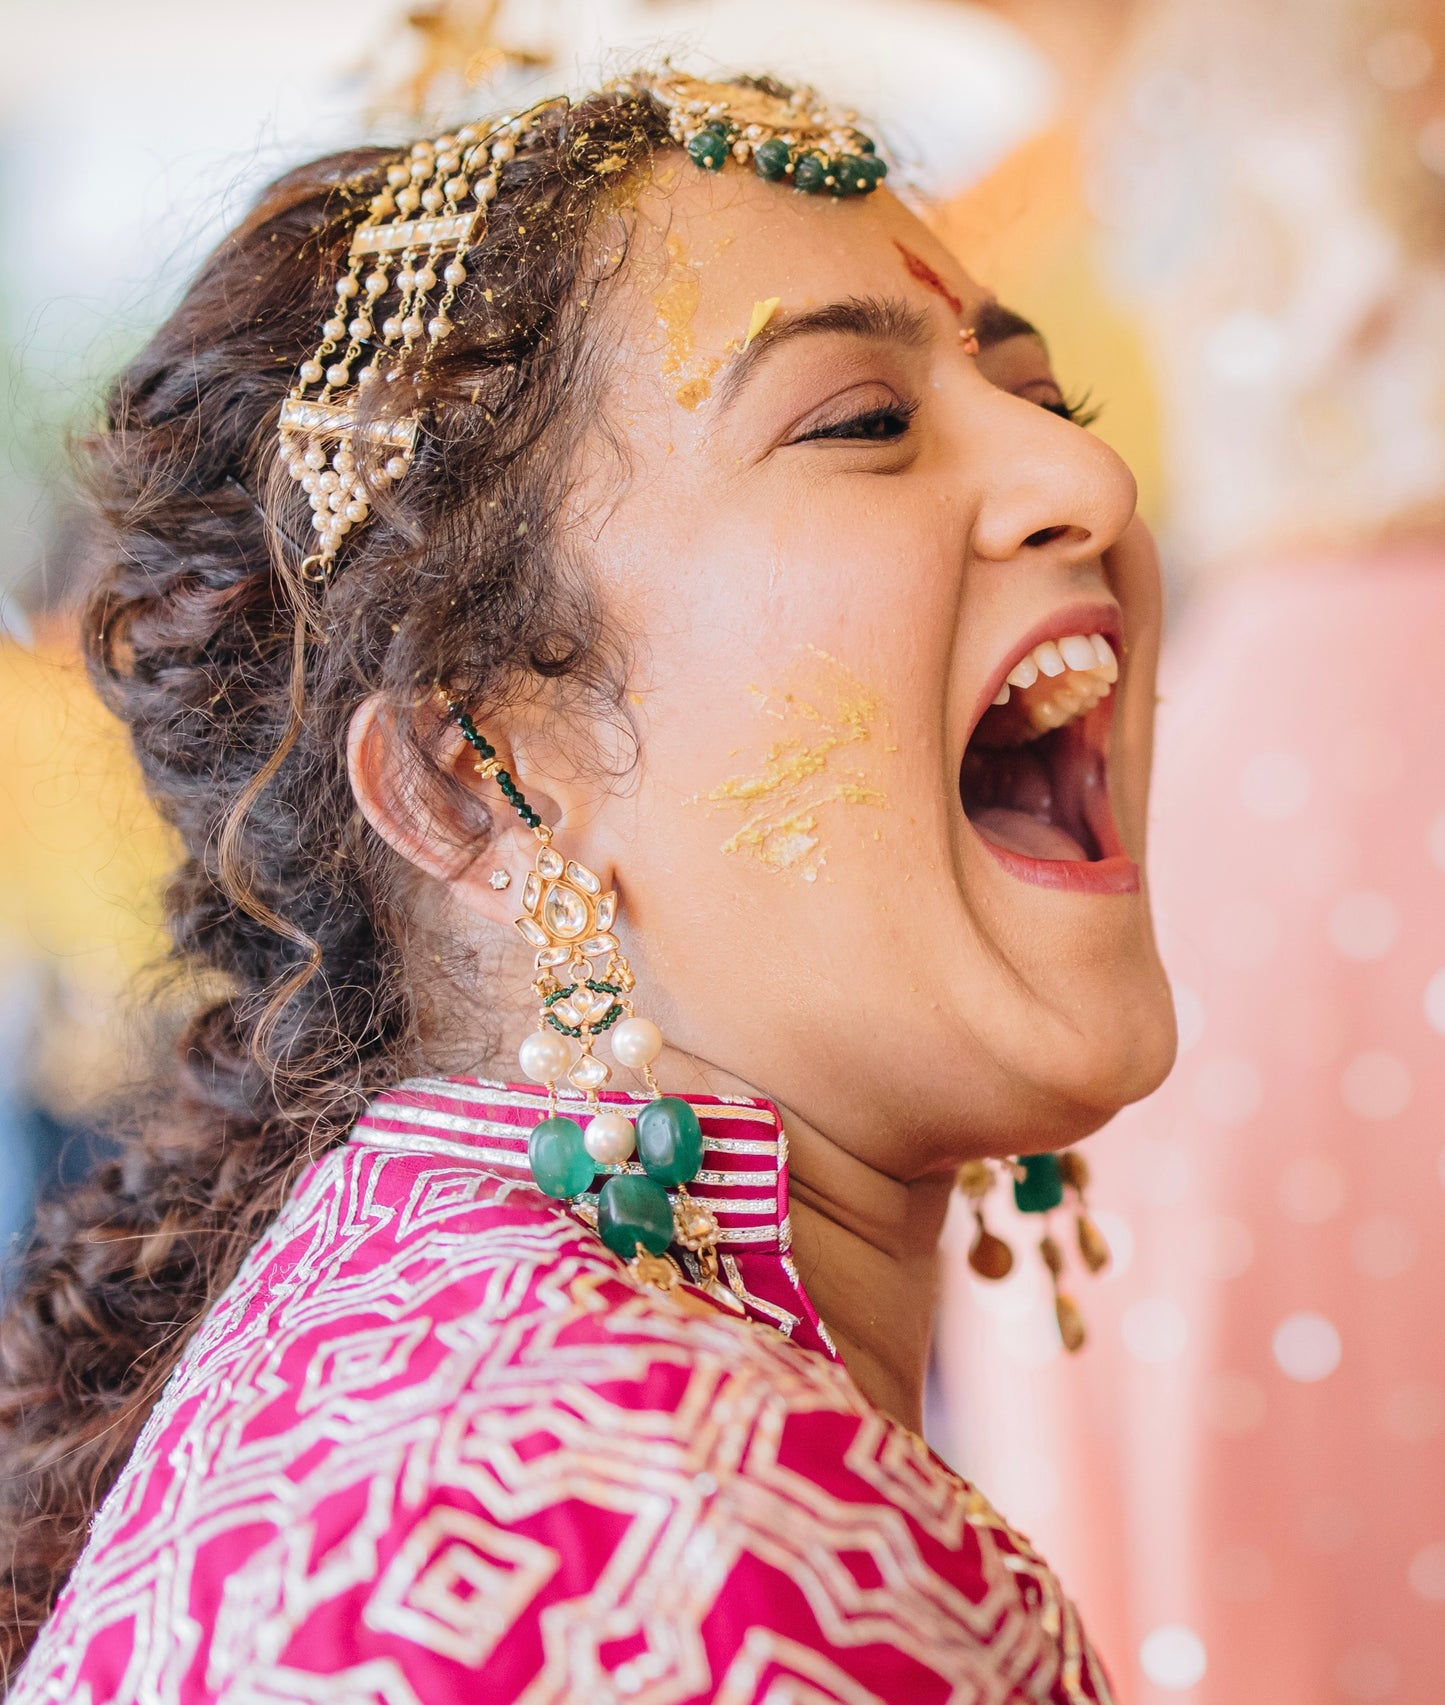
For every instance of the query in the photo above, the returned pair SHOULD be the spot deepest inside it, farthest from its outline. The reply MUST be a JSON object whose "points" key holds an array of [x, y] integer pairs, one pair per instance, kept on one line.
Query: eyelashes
{"points": [[892, 420], [874, 425], [1080, 411]]}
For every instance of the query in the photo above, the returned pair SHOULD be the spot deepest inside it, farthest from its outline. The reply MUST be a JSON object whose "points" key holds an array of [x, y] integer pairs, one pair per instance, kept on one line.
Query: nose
{"points": [[1049, 490]]}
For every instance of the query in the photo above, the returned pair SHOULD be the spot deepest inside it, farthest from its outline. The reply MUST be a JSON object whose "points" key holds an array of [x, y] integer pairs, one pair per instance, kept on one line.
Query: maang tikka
{"points": [[567, 919]]}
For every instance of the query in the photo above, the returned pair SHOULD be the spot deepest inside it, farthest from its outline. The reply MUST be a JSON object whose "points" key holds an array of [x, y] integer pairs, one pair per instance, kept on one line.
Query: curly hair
{"points": [[238, 682]]}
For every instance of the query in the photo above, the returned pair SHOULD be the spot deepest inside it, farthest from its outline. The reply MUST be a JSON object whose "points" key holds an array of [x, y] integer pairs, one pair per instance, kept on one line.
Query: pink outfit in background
{"points": [[1243, 1476], [436, 1445]]}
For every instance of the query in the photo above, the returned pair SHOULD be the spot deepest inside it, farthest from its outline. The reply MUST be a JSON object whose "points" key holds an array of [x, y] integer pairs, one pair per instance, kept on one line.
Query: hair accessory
{"points": [[643, 1206], [433, 208], [1039, 1182], [787, 137]]}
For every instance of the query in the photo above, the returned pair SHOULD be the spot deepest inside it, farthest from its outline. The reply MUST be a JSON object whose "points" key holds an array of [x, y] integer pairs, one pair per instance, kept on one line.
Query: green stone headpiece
{"points": [[787, 137]]}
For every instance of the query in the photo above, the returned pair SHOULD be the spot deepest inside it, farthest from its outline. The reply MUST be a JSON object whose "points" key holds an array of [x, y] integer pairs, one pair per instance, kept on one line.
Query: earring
{"points": [[968, 338], [1039, 1183], [568, 921], [500, 879]]}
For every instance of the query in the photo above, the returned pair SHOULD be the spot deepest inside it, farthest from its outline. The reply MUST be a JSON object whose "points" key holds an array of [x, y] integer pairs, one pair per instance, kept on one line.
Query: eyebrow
{"points": [[884, 319]]}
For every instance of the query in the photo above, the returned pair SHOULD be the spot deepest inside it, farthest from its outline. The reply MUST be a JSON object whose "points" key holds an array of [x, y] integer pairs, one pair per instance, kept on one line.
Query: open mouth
{"points": [[1035, 775]]}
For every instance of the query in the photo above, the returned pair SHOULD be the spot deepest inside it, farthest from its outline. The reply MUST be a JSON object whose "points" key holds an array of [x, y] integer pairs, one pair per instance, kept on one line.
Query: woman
{"points": [[699, 525]]}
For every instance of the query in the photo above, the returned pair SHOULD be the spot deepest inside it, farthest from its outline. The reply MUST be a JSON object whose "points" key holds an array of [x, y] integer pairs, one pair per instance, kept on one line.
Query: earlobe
{"points": [[468, 846]]}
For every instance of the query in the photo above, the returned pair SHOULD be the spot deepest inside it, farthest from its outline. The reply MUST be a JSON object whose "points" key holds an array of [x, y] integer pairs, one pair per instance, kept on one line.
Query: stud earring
{"points": [[968, 339], [567, 919], [1039, 1183], [500, 879]]}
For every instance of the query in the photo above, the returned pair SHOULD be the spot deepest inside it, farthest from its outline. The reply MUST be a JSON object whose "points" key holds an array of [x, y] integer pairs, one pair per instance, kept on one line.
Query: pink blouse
{"points": [[435, 1444]]}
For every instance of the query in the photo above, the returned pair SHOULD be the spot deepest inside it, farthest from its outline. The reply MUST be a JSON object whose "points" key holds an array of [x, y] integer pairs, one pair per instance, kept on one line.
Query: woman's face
{"points": [[847, 876]]}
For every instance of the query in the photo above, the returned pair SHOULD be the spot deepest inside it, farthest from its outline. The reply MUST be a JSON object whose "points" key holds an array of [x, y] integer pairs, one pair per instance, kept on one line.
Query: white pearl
{"points": [[377, 284], [396, 467], [431, 199], [391, 328], [448, 160], [356, 512], [438, 328], [544, 1056], [396, 176], [456, 188], [310, 372], [503, 150], [360, 327], [609, 1138], [455, 274], [338, 373], [425, 279], [486, 190], [411, 326], [636, 1042], [347, 286], [408, 201], [334, 329]]}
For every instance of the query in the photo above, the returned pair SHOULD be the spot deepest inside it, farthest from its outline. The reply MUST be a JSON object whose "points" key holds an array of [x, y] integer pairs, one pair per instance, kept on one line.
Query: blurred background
{"points": [[1229, 218]]}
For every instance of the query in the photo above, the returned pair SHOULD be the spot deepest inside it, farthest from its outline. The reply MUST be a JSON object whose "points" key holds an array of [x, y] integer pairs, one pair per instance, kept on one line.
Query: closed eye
{"points": [[875, 425]]}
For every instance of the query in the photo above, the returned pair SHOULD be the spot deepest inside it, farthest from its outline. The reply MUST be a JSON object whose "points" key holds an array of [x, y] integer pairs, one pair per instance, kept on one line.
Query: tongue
{"points": [[1016, 831]]}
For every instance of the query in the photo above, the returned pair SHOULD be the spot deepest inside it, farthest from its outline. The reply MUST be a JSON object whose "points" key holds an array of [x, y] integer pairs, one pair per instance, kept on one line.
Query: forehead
{"points": [[742, 241]]}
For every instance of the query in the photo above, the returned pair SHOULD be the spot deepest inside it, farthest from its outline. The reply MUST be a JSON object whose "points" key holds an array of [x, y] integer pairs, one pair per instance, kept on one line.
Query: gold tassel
{"points": [[1066, 1310]]}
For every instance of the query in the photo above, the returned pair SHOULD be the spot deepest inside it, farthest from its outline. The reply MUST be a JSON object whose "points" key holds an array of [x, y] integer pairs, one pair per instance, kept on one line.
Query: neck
{"points": [[867, 1252]]}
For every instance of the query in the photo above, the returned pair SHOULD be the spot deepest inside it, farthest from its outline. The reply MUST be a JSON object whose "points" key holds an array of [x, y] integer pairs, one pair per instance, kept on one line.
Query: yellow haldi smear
{"points": [[804, 771]]}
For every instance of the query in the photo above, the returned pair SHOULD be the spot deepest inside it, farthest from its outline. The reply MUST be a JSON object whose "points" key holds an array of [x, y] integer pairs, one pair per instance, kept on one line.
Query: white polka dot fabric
{"points": [[1242, 1479]]}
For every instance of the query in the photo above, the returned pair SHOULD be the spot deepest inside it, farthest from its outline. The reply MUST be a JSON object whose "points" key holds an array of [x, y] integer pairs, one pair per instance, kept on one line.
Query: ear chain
{"points": [[568, 921]]}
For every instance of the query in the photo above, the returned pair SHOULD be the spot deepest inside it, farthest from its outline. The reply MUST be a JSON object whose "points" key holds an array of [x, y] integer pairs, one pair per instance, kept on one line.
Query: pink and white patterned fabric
{"points": [[436, 1444]]}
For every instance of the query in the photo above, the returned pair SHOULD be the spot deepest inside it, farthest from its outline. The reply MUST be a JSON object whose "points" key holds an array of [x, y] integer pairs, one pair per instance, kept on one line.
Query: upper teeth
{"points": [[1084, 667]]}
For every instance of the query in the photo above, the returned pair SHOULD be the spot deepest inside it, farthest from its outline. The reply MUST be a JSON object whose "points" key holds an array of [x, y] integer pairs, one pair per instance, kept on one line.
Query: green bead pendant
{"points": [[1042, 1186], [669, 1141], [559, 1159], [810, 174], [709, 149], [632, 1210], [770, 158]]}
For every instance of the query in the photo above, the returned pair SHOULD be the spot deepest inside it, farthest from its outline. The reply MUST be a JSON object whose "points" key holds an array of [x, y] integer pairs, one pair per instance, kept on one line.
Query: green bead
{"points": [[709, 149], [669, 1141], [632, 1210], [853, 175], [809, 173], [771, 158], [1042, 1186], [559, 1159]]}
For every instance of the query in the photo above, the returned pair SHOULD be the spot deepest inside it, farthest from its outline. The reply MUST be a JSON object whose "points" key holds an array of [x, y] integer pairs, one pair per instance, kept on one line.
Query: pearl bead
{"points": [[328, 481], [456, 188], [334, 329], [347, 286], [438, 328], [425, 279], [367, 376], [338, 374], [356, 512], [503, 150], [431, 199], [396, 467], [406, 280], [391, 328], [376, 283], [609, 1138], [315, 457], [544, 1056], [412, 325], [486, 190], [455, 274], [311, 372], [408, 201], [360, 327], [320, 523], [636, 1042], [468, 133]]}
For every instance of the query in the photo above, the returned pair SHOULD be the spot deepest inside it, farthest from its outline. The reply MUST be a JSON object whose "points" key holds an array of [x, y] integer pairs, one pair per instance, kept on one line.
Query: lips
{"points": [[1034, 776]]}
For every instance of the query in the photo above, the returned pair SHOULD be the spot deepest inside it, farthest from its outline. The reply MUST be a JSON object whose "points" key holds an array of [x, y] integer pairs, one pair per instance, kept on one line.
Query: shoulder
{"points": [[435, 1429]]}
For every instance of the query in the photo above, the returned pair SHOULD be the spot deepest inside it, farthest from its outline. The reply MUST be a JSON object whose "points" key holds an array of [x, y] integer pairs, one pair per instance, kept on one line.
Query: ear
{"points": [[395, 788]]}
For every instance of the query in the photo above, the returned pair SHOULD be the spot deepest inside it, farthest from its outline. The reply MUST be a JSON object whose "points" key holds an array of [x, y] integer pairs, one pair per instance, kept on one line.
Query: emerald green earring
{"points": [[584, 989]]}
